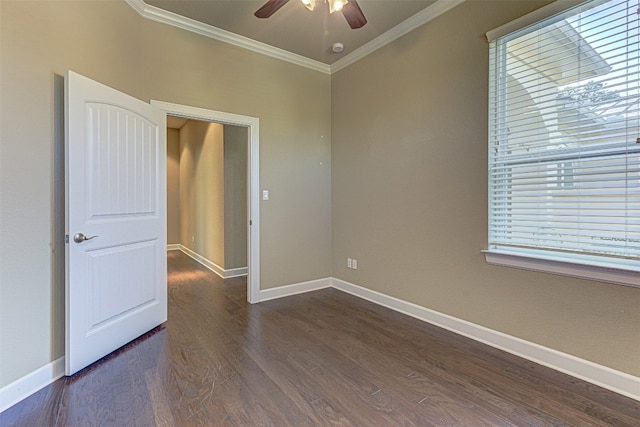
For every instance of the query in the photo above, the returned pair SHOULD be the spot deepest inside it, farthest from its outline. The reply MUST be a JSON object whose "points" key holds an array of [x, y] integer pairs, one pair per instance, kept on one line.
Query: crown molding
{"points": [[175, 20], [160, 15], [427, 14]]}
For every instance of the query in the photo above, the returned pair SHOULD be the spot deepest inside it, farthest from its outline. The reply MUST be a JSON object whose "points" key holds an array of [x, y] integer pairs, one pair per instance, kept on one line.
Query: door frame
{"points": [[253, 179]]}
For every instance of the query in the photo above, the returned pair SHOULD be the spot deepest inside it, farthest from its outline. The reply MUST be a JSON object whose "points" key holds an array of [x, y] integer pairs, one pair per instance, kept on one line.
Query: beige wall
{"points": [[409, 179], [202, 189], [236, 144], [109, 42], [207, 191], [173, 186]]}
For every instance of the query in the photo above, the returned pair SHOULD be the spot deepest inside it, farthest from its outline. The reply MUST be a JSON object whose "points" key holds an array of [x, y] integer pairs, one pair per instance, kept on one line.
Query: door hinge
{"points": [[250, 222], [66, 238]]}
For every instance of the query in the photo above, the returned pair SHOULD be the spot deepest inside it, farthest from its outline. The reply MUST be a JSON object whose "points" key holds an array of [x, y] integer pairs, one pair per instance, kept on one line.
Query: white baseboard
{"points": [[24, 387], [297, 288], [225, 274], [235, 272], [173, 247], [611, 379]]}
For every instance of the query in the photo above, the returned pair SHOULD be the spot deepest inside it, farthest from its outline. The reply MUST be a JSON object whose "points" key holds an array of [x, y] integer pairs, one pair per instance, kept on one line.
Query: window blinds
{"points": [[564, 135]]}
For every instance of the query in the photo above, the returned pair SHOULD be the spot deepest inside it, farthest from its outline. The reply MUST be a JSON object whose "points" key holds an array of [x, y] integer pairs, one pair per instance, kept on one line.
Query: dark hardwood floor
{"points": [[316, 359]]}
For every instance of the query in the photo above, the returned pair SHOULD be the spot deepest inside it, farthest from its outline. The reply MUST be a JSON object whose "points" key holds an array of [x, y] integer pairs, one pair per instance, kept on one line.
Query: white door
{"points": [[116, 286]]}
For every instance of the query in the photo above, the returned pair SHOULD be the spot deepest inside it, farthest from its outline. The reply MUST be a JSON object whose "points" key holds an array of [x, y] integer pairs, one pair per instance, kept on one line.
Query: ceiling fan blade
{"points": [[353, 14], [269, 8]]}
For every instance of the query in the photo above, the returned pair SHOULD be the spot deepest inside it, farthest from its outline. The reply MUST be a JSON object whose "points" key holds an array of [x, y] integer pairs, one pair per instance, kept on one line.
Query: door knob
{"points": [[79, 238]]}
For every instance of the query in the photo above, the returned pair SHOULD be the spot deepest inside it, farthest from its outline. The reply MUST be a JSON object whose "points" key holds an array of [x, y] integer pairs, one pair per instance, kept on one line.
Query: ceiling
{"points": [[174, 122], [295, 29]]}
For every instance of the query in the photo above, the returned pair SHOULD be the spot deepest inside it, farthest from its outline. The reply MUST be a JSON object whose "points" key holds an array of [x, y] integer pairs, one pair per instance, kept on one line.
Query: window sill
{"points": [[627, 275]]}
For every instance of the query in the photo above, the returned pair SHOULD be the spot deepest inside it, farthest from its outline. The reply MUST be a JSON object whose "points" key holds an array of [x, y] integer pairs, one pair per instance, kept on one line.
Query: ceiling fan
{"points": [[349, 8]]}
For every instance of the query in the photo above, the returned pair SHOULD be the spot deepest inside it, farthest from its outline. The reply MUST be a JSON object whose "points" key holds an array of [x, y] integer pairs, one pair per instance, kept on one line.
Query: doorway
{"points": [[250, 126]]}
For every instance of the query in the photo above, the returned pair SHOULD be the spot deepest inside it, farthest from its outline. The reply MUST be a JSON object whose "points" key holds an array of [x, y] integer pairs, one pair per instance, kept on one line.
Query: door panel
{"points": [[115, 196], [107, 285], [122, 161]]}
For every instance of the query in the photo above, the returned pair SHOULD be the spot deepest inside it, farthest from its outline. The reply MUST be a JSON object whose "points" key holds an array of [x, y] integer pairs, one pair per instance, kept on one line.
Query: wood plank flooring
{"points": [[321, 358]]}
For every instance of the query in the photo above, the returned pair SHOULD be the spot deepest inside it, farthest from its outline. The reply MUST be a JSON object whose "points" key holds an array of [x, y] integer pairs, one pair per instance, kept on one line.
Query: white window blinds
{"points": [[564, 136]]}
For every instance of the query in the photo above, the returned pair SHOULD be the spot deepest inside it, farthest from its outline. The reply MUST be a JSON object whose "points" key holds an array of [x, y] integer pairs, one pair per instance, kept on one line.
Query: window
{"points": [[564, 142]]}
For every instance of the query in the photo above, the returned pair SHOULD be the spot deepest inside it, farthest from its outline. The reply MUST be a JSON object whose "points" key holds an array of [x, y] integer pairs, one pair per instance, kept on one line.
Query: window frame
{"points": [[618, 271]]}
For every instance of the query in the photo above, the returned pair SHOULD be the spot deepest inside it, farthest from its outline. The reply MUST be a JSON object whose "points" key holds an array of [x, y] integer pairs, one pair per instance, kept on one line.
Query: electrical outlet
{"points": [[354, 264], [349, 262]]}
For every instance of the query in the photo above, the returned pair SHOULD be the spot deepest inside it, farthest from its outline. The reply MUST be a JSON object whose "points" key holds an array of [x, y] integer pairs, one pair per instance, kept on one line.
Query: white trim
{"points": [[610, 379], [294, 289], [427, 14], [31, 383], [225, 274], [603, 376], [253, 179], [618, 275], [253, 236], [235, 272], [175, 20], [173, 246]]}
